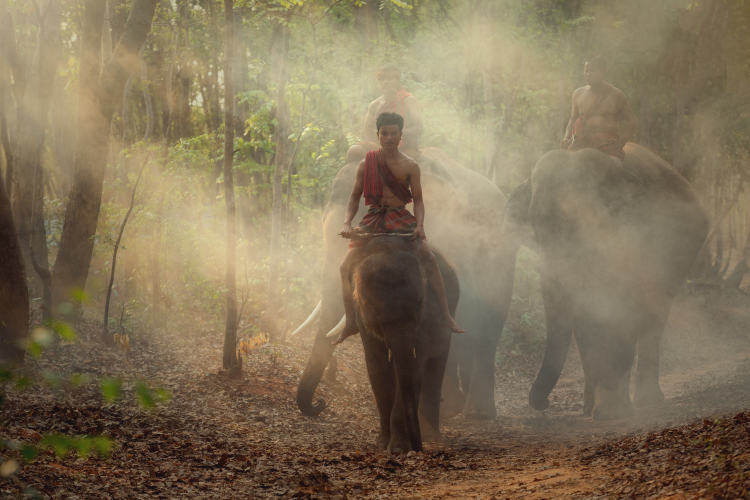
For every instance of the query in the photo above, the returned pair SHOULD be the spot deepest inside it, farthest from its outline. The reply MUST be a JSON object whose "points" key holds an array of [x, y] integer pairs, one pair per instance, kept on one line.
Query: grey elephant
{"points": [[617, 240], [405, 343], [463, 214]]}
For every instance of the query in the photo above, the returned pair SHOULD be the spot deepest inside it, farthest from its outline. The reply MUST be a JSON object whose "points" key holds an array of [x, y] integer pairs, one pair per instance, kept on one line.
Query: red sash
{"points": [[376, 175]]}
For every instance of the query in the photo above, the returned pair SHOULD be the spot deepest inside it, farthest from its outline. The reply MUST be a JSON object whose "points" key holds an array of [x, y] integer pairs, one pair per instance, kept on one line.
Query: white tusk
{"points": [[313, 316], [336, 330]]}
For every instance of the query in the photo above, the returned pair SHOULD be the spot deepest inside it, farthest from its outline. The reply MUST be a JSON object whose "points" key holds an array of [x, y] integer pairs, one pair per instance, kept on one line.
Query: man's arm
{"points": [[627, 120], [573, 117], [415, 184], [353, 205]]}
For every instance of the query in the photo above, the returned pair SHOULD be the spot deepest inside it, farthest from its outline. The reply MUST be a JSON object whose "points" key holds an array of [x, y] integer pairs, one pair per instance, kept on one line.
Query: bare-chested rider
{"points": [[600, 117], [394, 99], [389, 180]]}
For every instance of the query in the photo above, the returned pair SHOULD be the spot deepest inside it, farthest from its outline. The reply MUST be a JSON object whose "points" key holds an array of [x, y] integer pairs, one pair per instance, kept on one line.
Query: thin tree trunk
{"points": [[105, 326], [279, 55], [230, 362], [14, 295], [98, 100]]}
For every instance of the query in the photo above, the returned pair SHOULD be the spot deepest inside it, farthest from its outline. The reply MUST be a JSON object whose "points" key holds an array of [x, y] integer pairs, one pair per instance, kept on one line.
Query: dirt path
{"points": [[246, 438]]}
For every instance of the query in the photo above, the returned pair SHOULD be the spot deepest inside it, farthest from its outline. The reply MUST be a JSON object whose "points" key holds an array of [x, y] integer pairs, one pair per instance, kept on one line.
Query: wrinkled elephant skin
{"points": [[617, 240]]}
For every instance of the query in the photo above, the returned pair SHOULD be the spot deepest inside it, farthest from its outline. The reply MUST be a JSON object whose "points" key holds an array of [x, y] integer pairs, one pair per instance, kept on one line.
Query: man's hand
{"points": [[346, 231], [419, 233]]}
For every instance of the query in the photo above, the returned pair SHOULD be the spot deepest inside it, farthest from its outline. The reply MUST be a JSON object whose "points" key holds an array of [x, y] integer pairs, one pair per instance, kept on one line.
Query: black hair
{"points": [[390, 119]]}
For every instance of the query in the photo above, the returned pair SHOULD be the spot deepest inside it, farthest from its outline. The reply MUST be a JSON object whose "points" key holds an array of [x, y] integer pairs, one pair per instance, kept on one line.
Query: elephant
{"points": [[405, 340], [616, 239], [464, 211]]}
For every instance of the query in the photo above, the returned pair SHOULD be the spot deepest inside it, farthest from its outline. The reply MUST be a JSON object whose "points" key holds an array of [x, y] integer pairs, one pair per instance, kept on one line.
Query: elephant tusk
{"points": [[336, 330], [313, 316]]}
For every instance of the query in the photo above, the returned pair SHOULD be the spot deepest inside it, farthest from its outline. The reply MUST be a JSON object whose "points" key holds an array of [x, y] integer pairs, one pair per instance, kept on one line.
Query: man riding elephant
{"points": [[389, 180], [600, 116], [394, 99]]}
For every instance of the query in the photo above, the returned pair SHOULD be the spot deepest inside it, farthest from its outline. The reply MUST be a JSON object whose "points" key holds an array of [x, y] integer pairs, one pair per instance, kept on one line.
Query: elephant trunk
{"points": [[316, 365], [559, 331], [404, 359]]}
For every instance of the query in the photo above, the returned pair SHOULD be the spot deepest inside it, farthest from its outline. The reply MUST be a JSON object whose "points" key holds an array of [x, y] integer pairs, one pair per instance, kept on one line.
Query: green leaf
{"points": [[111, 389], [145, 398], [34, 349], [29, 452], [79, 296], [78, 379], [59, 443], [102, 445], [64, 330], [23, 383]]}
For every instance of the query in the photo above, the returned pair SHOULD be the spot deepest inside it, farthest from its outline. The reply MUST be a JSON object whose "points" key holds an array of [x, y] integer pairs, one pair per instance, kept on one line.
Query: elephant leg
{"points": [[429, 407], [383, 382], [405, 432], [480, 399], [453, 398], [557, 309], [609, 356], [647, 390]]}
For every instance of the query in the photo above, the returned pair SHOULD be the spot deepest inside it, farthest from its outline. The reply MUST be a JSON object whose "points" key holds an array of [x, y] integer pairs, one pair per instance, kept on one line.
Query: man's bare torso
{"points": [[403, 169], [601, 109]]}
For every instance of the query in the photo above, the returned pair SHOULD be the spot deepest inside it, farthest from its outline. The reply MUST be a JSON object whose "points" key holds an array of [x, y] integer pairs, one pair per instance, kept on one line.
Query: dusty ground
{"points": [[245, 438]]}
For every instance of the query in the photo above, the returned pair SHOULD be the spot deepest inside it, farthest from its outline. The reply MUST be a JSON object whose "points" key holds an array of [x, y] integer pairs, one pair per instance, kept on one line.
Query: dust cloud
{"points": [[494, 81]]}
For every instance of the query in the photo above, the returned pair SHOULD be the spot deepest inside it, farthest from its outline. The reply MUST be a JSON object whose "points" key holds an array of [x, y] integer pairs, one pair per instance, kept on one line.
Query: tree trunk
{"points": [[14, 296], [98, 99], [230, 363], [279, 55], [28, 194]]}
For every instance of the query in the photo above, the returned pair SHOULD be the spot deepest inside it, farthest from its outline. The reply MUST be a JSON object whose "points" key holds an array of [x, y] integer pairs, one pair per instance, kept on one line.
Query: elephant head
{"points": [[617, 239], [405, 341], [463, 215]]}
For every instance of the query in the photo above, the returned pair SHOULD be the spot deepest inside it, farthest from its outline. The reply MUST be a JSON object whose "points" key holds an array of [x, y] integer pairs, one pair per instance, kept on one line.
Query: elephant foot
{"points": [[452, 406], [400, 446], [611, 404], [537, 400], [475, 413], [382, 441], [429, 432], [648, 395]]}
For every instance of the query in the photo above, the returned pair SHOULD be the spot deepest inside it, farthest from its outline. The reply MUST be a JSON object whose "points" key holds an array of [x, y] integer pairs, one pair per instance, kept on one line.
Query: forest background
{"points": [[101, 101]]}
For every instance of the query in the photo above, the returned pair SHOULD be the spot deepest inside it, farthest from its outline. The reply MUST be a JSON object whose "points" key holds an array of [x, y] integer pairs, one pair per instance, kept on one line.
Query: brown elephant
{"points": [[405, 342], [463, 214], [617, 240]]}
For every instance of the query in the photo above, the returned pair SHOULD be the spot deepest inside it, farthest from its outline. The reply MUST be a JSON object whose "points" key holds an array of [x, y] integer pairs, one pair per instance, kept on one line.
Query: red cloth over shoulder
{"points": [[376, 174]]}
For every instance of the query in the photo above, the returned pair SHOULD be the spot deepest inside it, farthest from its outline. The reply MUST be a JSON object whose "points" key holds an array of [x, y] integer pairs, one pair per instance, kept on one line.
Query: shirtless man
{"points": [[389, 180], [601, 117], [393, 100]]}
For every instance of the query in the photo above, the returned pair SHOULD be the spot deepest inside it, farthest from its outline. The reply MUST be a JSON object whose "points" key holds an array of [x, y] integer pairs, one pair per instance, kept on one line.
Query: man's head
{"points": [[389, 80], [389, 126], [594, 70]]}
